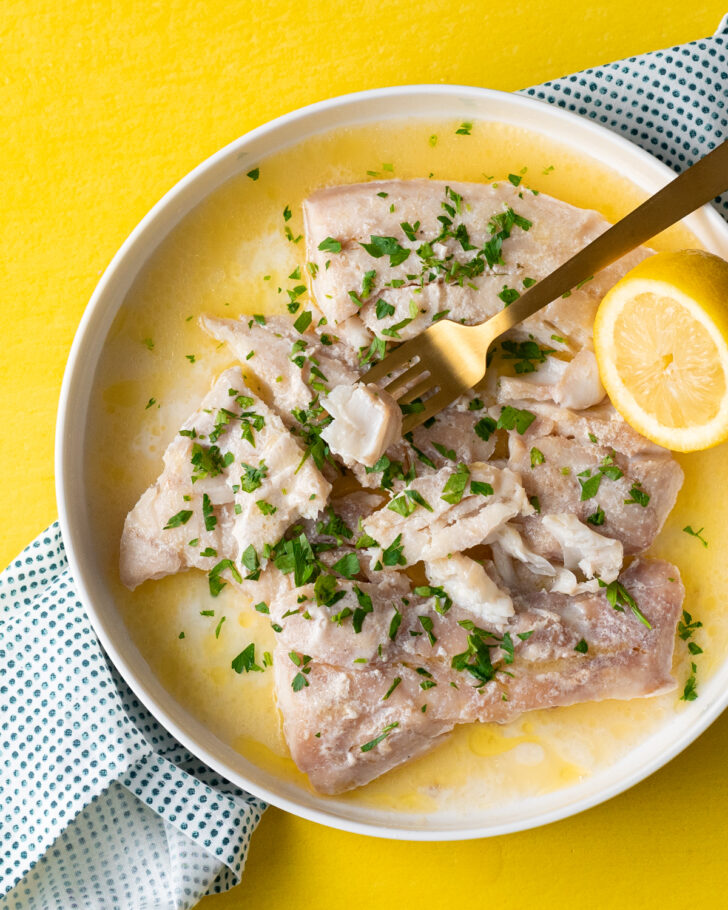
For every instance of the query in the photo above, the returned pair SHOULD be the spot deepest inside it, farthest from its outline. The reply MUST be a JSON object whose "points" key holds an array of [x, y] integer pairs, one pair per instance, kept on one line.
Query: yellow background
{"points": [[103, 107]]}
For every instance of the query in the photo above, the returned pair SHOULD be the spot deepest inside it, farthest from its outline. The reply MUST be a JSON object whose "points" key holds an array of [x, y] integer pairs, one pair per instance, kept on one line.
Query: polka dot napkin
{"points": [[99, 806]]}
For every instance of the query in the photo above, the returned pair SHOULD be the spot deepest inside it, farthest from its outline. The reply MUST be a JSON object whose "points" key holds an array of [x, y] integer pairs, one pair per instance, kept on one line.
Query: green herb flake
{"points": [[689, 530], [330, 245], [479, 488], [176, 521], [245, 661], [397, 681], [537, 457], [596, 518], [464, 129], [514, 418], [254, 174], [690, 692], [455, 485], [208, 513], [367, 747], [619, 597], [581, 646]]}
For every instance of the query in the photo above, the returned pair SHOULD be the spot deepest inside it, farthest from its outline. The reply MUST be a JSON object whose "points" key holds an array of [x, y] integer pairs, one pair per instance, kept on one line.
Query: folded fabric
{"points": [[99, 806]]}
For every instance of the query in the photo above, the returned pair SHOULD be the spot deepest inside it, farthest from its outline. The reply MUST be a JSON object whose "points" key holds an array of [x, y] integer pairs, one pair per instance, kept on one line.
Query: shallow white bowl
{"points": [[433, 102]]}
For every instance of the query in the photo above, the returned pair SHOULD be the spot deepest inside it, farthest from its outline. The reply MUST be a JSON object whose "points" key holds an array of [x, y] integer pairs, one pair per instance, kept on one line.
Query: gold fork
{"points": [[449, 358]]}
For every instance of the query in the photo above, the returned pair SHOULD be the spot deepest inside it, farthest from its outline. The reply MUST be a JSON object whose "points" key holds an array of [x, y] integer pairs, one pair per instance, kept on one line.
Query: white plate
{"points": [[432, 102]]}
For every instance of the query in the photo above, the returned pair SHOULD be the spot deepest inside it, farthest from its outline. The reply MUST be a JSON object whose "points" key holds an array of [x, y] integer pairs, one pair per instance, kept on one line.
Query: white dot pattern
{"points": [[100, 807]]}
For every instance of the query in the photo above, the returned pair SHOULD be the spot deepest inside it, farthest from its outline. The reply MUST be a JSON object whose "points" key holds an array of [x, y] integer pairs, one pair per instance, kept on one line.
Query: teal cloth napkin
{"points": [[99, 806]]}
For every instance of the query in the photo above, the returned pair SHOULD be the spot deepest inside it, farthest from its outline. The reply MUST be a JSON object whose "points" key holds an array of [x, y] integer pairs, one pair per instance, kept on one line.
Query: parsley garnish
{"points": [[690, 692], [688, 530], [245, 661], [386, 246], [581, 646], [526, 354], [348, 565], [303, 321], [596, 518], [208, 513], [330, 245], [303, 662], [485, 427], [464, 129], [479, 488], [619, 597], [213, 576], [514, 418], [637, 496], [207, 462], [392, 555], [254, 174], [181, 518], [454, 488], [367, 747], [253, 478], [537, 457]]}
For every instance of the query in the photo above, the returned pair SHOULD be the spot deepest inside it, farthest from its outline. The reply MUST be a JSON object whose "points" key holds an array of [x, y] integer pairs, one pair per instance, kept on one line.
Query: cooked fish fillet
{"points": [[267, 353], [366, 421], [252, 488], [439, 527], [451, 437], [545, 234], [571, 384], [351, 722], [631, 508]]}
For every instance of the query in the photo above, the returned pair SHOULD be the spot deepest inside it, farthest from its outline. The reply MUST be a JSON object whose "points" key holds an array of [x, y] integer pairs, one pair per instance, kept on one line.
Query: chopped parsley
{"points": [[206, 461], [537, 457], [302, 661], [254, 174], [367, 747], [637, 496], [464, 129], [515, 419], [386, 246], [619, 597], [245, 661], [392, 555], [596, 518], [480, 488], [455, 485], [690, 692], [581, 646], [330, 245], [208, 513], [176, 521], [397, 681], [689, 530], [526, 354], [252, 478]]}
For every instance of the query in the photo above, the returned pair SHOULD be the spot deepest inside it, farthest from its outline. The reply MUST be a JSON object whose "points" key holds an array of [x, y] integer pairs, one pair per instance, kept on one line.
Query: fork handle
{"points": [[697, 185]]}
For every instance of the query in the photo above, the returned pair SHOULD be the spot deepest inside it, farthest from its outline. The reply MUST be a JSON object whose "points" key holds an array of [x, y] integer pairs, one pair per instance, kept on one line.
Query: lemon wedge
{"points": [[661, 342]]}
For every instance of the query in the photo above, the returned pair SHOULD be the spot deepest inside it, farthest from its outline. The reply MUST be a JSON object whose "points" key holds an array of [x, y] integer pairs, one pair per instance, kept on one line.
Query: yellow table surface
{"points": [[103, 107]]}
